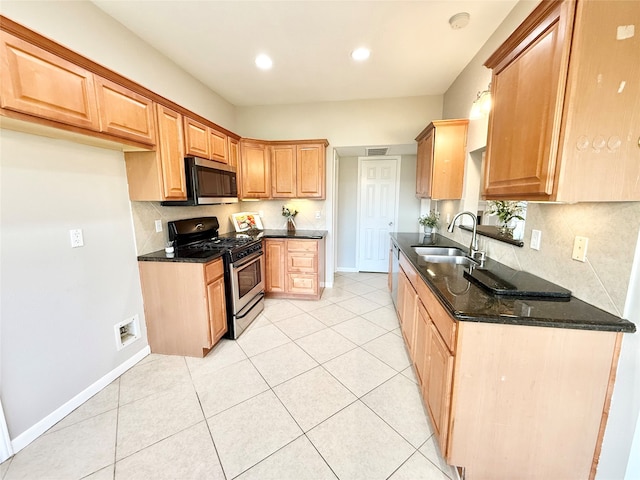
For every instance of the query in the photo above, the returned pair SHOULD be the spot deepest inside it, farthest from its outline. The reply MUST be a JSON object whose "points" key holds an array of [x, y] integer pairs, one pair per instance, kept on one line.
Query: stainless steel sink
{"points": [[455, 259], [439, 251]]}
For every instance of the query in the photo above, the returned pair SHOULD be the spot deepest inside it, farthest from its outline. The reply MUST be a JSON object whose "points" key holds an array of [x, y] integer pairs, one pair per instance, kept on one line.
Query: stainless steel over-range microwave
{"points": [[208, 183]]}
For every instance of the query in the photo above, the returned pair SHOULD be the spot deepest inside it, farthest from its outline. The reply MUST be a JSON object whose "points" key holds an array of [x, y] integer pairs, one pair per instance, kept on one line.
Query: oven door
{"points": [[247, 280]]}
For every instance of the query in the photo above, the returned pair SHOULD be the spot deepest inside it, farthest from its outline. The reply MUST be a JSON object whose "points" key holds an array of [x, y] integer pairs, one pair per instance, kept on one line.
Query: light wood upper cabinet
{"points": [[564, 124], [124, 113], [218, 145], [283, 171], [205, 142], [234, 152], [196, 139], [171, 147], [294, 169], [159, 175], [44, 85], [310, 170], [441, 159], [255, 171]]}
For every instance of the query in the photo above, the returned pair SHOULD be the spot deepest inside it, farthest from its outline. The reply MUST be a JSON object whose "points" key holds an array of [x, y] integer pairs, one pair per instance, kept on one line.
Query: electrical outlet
{"points": [[76, 238], [580, 249], [318, 215], [158, 226], [448, 218], [535, 239]]}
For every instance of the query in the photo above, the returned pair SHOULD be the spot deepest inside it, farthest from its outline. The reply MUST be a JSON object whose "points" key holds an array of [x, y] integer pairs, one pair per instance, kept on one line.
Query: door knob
{"points": [[390, 223]]}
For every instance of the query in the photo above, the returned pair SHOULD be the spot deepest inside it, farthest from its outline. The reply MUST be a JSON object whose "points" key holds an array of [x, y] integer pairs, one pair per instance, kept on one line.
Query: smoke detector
{"points": [[459, 20]]}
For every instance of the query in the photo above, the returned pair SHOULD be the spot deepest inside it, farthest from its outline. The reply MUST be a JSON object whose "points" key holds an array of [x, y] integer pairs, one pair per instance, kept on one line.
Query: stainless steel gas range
{"points": [[243, 265]]}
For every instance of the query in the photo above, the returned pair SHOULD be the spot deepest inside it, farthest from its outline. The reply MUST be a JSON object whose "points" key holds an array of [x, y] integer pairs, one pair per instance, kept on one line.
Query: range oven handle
{"points": [[258, 298], [246, 260]]}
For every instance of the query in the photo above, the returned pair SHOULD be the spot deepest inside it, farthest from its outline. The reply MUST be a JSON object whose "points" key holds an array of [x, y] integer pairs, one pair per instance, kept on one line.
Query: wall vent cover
{"points": [[376, 151]]}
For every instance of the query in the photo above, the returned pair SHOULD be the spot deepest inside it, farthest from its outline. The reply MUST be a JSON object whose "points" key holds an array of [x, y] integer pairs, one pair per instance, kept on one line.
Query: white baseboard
{"points": [[347, 269], [54, 417]]}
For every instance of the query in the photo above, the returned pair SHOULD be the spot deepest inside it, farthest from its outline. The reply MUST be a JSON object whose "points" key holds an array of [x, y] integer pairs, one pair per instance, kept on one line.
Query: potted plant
{"points": [[506, 210], [429, 222], [289, 213]]}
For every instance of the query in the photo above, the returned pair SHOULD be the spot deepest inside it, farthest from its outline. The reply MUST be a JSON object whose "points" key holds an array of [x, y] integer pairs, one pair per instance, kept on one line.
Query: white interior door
{"points": [[377, 211]]}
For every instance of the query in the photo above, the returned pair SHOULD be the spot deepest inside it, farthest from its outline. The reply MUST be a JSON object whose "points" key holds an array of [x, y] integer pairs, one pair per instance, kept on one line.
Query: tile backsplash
{"points": [[612, 230], [146, 213]]}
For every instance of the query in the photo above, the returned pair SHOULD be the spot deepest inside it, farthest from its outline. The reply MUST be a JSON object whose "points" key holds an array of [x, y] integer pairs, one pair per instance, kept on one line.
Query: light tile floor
{"points": [[312, 390]]}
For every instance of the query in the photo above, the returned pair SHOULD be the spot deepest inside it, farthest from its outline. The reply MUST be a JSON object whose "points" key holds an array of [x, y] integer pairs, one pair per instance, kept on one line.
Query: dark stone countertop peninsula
{"points": [[469, 302], [205, 257]]}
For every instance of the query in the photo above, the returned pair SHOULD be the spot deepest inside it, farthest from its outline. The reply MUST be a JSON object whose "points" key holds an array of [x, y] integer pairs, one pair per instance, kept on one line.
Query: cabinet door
{"points": [[217, 309], [283, 171], [124, 113], [421, 342], [423, 167], [275, 255], [216, 300], [218, 145], [171, 148], [437, 389], [196, 139], [310, 171], [254, 170], [409, 315], [233, 152], [599, 146], [36, 82], [449, 155], [527, 92]]}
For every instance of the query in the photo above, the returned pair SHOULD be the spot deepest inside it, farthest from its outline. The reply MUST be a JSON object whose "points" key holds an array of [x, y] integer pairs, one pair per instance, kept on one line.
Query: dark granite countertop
{"points": [[467, 301], [205, 257], [303, 234]]}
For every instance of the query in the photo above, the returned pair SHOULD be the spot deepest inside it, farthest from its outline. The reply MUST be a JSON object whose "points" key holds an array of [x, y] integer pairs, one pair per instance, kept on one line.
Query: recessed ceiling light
{"points": [[360, 54], [263, 62], [459, 20]]}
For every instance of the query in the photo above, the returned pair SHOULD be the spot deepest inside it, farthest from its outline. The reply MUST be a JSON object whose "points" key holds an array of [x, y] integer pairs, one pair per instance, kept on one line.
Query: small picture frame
{"points": [[244, 221]]}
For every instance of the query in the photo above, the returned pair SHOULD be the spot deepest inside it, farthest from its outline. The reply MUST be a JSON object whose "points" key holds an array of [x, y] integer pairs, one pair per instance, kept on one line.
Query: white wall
{"points": [[394, 121], [612, 229], [59, 305]]}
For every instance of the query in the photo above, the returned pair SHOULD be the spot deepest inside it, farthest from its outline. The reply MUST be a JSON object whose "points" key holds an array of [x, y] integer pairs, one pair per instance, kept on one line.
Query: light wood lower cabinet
{"points": [[294, 268], [508, 399], [184, 306]]}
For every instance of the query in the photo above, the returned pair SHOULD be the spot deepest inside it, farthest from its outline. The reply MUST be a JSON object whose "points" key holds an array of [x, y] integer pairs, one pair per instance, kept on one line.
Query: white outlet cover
{"points": [[76, 237], [580, 249], [535, 239], [158, 226]]}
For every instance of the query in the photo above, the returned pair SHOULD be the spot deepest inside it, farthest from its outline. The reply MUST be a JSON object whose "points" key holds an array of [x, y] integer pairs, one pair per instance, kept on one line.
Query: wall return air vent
{"points": [[376, 151]]}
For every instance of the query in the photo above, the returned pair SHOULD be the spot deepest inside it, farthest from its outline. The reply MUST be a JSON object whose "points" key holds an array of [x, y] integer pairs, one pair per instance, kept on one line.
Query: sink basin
{"points": [[455, 259], [439, 251]]}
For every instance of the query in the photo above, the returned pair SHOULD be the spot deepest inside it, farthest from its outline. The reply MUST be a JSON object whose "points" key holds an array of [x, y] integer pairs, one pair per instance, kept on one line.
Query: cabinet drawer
{"points": [[445, 324], [303, 284], [302, 245], [305, 263], [411, 274], [213, 270]]}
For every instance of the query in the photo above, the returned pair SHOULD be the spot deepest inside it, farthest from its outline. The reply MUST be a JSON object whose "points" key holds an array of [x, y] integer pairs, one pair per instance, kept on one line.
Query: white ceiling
{"points": [[414, 50]]}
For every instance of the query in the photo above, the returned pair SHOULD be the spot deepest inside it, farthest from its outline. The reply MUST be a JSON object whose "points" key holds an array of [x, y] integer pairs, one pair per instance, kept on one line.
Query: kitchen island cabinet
{"points": [[511, 385], [184, 306], [564, 124]]}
